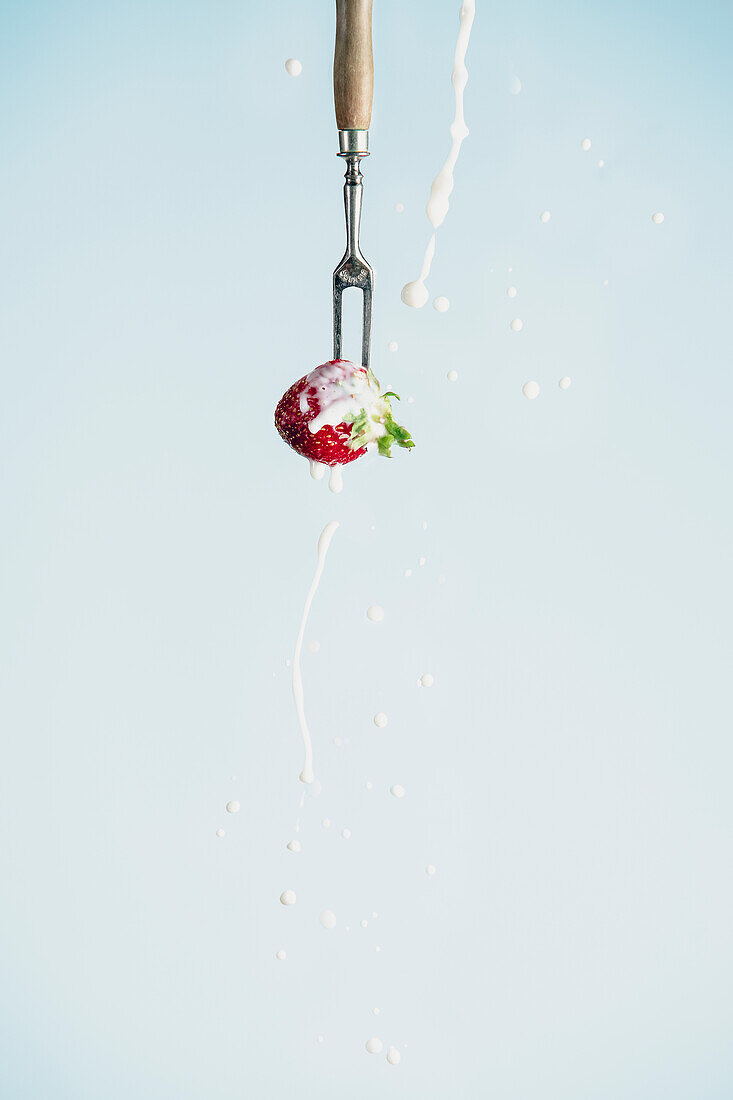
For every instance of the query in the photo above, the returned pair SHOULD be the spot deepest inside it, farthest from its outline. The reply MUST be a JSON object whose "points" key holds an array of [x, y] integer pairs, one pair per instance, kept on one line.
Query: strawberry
{"points": [[334, 413]]}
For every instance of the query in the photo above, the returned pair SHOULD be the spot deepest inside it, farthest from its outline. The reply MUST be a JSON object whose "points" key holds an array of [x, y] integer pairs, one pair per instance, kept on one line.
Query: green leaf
{"points": [[390, 393]]}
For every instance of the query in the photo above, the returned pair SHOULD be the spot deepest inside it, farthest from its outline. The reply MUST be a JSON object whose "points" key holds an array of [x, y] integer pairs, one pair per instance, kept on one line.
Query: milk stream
{"points": [[415, 293], [324, 541]]}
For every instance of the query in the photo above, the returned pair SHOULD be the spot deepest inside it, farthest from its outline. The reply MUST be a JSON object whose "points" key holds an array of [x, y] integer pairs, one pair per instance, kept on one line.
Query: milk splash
{"points": [[324, 541], [415, 293]]}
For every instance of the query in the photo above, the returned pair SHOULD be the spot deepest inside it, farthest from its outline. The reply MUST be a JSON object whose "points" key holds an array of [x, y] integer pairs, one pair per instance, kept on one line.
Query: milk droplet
{"points": [[335, 480], [364, 923], [415, 294], [393, 1056], [515, 85], [319, 1038], [427, 680], [564, 383], [293, 67], [377, 949], [585, 144], [601, 163], [397, 790], [605, 282], [410, 400], [658, 218], [294, 846], [326, 823], [374, 916], [281, 954], [408, 572], [511, 292], [430, 870], [452, 375], [399, 207], [220, 832], [393, 345], [530, 390], [441, 304], [515, 325], [368, 784], [338, 742], [545, 216], [328, 918], [374, 1046], [424, 525], [421, 561], [375, 614], [318, 469], [233, 807], [287, 897], [346, 834], [375, 1011], [380, 719]]}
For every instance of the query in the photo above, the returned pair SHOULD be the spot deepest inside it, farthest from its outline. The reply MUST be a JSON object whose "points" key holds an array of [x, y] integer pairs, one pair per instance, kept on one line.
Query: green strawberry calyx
{"points": [[376, 424]]}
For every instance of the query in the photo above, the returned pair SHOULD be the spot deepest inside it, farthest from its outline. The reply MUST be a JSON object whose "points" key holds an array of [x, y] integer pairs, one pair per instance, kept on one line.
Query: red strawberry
{"points": [[333, 413]]}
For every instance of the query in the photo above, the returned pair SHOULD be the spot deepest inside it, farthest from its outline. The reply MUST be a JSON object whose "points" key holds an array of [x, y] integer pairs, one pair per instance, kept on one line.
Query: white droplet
{"points": [[338, 742], [293, 66], [408, 572], [530, 390], [515, 325], [605, 282], [452, 375], [601, 163], [233, 807], [364, 923], [511, 292], [393, 1056], [393, 345], [281, 954], [335, 480], [368, 784], [658, 218], [380, 719], [294, 846], [545, 216], [441, 304], [287, 897], [410, 400], [564, 383], [375, 1011], [319, 1038], [397, 790], [415, 294], [424, 525], [515, 85], [421, 561], [399, 207], [430, 870], [374, 916], [326, 823], [585, 144], [346, 834], [377, 949], [220, 832], [427, 680], [375, 614], [318, 469], [313, 647], [374, 1046], [328, 918]]}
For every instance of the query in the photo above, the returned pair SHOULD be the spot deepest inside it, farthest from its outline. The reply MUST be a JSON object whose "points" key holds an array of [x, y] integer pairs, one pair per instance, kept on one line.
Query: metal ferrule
{"points": [[353, 143]]}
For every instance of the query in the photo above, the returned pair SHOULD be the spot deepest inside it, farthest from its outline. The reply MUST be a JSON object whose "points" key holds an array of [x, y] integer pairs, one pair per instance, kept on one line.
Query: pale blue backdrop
{"points": [[170, 214]]}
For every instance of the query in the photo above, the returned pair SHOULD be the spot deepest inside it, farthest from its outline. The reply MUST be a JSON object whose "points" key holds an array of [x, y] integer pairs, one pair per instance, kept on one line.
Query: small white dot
{"points": [[374, 1046], [380, 719], [281, 954], [375, 614], [430, 870], [530, 390], [605, 282], [346, 834], [441, 304], [410, 400], [368, 784], [293, 846], [658, 218], [377, 949], [287, 897], [220, 832], [328, 919], [452, 375], [511, 292], [515, 325], [375, 1011], [364, 923], [408, 572], [233, 807], [338, 742], [427, 680], [397, 790], [601, 163], [393, 1056], [545, 216], [293, 66], [326, 823], [585, 144], [319, 1038], [399, 207], [393, 345], [424, 525], [515, 85], [564, 383], [421, 561], [374, 916]]}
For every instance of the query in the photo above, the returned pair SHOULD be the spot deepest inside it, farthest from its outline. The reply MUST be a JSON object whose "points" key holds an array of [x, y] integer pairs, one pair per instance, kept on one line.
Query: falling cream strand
{"points": [[324, 541], [416, 293]]}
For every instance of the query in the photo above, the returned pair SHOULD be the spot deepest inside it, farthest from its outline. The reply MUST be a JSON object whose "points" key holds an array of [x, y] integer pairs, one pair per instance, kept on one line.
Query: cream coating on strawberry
{"points": [[335, 412]]}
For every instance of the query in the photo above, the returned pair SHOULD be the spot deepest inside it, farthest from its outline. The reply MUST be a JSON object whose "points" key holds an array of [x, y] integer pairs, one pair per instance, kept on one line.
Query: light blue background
{"points": [[171, 213]]}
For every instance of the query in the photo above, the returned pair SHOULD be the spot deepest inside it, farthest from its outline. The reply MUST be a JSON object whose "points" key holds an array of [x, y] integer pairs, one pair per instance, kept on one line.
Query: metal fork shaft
{"points": [[353, 271]]}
